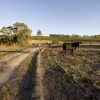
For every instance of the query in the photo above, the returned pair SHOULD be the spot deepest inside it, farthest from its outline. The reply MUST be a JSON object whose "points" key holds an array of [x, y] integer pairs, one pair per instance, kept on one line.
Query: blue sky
{"points": [[53, 16]]}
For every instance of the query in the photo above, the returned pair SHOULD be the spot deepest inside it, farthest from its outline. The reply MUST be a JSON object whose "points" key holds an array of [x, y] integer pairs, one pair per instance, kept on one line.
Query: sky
{"points": [[68, 17]]}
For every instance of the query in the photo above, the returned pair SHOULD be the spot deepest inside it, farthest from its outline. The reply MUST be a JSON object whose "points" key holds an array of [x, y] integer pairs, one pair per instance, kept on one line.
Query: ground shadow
{"points": [[90, 46], [27, 85], [59, 86]]}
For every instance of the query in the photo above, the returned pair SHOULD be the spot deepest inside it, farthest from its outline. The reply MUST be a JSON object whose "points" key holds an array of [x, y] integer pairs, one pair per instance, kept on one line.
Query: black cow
{"points": [[70, 46]]}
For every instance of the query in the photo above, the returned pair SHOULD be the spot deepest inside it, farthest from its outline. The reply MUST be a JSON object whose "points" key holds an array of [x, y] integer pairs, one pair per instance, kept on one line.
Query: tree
{"points": [[39, 33], [10, 29], [85, 36], [22, 29], [7, 30], [4, 30], [19, 32], [75, 35]]}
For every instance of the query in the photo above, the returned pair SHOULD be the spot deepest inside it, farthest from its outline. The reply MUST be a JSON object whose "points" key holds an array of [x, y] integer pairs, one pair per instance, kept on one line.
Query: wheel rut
{"points": [[27, 85]]}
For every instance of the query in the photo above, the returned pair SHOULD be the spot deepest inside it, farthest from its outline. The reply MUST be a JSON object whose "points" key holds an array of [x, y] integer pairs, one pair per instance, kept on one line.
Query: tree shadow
{"points": [[26, 90]]}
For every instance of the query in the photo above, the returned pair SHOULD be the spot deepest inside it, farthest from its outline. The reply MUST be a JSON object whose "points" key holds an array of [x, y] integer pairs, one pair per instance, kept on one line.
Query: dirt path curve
{"points": [[14, 63]]}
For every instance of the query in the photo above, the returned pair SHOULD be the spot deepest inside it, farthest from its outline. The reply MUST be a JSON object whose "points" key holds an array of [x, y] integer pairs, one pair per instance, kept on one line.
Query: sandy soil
{"points": [[13, 62]]}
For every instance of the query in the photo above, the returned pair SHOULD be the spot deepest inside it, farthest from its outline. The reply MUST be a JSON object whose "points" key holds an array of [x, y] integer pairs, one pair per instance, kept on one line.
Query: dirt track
{"points": [[39, 78], [13, 62], [26, 81]]}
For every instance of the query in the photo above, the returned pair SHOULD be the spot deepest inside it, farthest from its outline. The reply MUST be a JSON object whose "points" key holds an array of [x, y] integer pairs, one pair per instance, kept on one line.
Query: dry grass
{"points": [[83, 68], [7, 54], [39, 41], [58, 84], [7, 51]]}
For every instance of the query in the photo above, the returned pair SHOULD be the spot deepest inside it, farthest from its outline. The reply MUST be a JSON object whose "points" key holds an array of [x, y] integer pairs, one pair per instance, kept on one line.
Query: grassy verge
{"points": [[66, 38]]}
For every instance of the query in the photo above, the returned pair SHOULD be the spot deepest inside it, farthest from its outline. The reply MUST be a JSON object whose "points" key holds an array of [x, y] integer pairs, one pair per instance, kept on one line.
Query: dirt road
{"points": [[13, 62], [23, 80]]}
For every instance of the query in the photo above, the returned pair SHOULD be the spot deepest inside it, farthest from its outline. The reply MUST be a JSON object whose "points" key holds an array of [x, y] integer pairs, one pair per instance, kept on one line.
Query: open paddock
{"points": [[64, 75]]}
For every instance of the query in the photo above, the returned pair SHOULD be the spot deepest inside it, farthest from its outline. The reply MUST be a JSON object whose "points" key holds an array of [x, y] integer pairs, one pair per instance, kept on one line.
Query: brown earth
{"points": [[72, 77], [21, 83], [54, 77]]}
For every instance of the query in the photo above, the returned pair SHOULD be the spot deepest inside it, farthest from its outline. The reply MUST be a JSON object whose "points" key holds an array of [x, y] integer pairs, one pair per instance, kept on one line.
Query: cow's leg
{"points": [[64, 53], [75, 47], [71, 51]]}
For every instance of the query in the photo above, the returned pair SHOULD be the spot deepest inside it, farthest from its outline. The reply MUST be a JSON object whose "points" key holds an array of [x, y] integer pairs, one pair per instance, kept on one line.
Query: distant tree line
{"points": [[57, 35], [73, 35], [15, 34]]}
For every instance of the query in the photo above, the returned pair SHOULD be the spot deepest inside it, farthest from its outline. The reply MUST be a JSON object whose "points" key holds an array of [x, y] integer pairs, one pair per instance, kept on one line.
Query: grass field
{"points": [[59, 73], [97, 39], [67, 77]]}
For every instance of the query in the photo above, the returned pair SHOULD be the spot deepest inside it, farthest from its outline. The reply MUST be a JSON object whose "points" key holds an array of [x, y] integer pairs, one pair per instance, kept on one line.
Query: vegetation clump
{"points": [[19, 32]]}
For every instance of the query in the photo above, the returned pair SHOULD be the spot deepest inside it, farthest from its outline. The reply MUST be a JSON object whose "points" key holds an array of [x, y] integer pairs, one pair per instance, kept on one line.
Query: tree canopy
{"points": [[39, 33], [17, 32]]}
